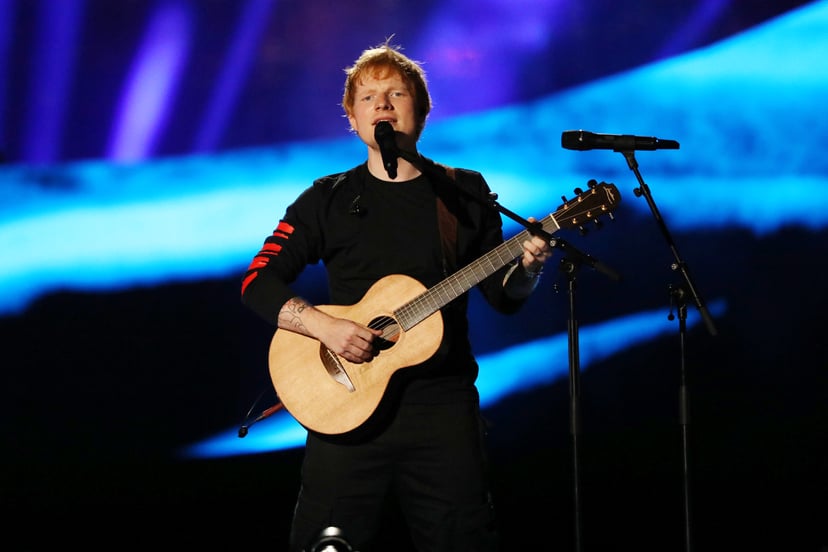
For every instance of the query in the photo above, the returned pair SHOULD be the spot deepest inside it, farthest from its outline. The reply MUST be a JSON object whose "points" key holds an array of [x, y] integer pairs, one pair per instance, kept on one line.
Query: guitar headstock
{"points": [[600, 198]]}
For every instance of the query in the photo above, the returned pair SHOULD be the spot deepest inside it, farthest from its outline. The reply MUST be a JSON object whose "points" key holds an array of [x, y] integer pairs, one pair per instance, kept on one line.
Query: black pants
{"points": [[431, 459]]}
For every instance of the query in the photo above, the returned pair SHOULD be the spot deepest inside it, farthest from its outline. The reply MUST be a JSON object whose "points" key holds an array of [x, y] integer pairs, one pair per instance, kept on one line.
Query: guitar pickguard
{"points": [[335, 369]]}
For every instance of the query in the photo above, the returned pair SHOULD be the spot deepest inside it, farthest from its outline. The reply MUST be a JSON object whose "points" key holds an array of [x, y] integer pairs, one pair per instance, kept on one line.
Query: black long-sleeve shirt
{"points": [[364, 229]]}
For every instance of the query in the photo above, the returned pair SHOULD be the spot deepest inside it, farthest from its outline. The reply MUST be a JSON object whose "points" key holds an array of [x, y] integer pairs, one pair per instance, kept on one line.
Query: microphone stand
{"points": [[572, 260], [677, 294]]}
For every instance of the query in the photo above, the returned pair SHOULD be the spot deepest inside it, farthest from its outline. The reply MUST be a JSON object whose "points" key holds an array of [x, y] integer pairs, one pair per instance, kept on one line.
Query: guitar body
{"points": [[326, 403]]}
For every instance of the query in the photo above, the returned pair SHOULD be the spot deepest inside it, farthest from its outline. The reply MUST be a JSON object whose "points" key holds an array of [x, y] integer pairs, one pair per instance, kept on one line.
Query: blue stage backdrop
{"points": [[148, 147]]}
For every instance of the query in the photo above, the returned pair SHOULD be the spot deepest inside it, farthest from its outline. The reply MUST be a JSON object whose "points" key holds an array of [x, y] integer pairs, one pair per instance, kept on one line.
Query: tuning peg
{"points": [[582, 231], [578, 191], [592, 183], [563, 198]]}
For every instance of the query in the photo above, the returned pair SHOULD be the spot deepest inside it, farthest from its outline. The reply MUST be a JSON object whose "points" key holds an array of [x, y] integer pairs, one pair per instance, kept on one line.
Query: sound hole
{"points": [[390, 332]]}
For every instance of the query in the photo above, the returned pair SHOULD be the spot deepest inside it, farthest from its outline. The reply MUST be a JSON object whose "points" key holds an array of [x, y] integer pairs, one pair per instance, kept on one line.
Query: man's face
{"points": [[384, 99]]}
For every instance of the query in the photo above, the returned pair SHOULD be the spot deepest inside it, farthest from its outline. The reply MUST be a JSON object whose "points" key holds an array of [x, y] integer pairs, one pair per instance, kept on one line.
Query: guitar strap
{"points": [[447, 222]]}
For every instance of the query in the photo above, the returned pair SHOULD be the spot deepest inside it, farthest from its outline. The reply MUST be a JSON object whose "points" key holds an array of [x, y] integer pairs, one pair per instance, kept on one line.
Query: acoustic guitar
{"points": [[329, 395]]}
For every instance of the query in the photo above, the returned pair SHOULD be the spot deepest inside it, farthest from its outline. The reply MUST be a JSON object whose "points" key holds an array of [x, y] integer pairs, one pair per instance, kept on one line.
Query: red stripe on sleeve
{"points": [[257, 262], [284, 228], [247, 280]]}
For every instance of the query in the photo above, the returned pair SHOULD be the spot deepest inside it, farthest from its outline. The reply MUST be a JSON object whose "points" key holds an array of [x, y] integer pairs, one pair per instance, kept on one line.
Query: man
{"points": [[423, 445]]}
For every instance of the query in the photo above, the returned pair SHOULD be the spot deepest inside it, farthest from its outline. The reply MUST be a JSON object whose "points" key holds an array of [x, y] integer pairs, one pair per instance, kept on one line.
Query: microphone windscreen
{"points": [[575, 140], [382, 131]]}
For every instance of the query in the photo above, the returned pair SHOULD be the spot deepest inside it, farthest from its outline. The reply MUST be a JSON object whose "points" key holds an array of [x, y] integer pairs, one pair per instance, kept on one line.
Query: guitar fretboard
{"points": [[441, 294]]}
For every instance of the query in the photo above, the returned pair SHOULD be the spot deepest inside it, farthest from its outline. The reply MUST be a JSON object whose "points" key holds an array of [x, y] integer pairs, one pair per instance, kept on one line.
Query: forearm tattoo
{"points": [[290, 317]]}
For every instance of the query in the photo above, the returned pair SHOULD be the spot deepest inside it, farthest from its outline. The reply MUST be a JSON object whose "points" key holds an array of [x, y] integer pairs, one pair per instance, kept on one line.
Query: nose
{"points": [[382, 102]]}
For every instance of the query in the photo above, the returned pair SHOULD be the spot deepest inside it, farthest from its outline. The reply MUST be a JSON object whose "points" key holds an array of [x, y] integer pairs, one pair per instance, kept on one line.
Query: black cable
{"points": [[246, 423]]}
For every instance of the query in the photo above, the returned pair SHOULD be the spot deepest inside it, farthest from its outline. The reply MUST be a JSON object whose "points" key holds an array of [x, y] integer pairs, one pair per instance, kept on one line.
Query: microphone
{"points": [[387, 142], [583, 140]]}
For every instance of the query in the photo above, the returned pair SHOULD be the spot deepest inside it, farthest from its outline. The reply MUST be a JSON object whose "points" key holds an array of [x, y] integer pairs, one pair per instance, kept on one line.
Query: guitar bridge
{"points": [[335, 368]]}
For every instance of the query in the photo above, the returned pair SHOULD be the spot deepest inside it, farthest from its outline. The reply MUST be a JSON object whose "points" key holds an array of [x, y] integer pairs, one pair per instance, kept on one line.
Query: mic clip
{"points": [[355, 208]]}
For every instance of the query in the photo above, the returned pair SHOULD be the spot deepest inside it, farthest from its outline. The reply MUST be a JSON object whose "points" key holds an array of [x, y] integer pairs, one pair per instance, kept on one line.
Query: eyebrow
{"points": [[400, 83]]}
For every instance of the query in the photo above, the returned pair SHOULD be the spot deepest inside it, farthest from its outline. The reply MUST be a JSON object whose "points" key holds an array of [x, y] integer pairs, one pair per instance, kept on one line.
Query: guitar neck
{"points": [[441, 294]]}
